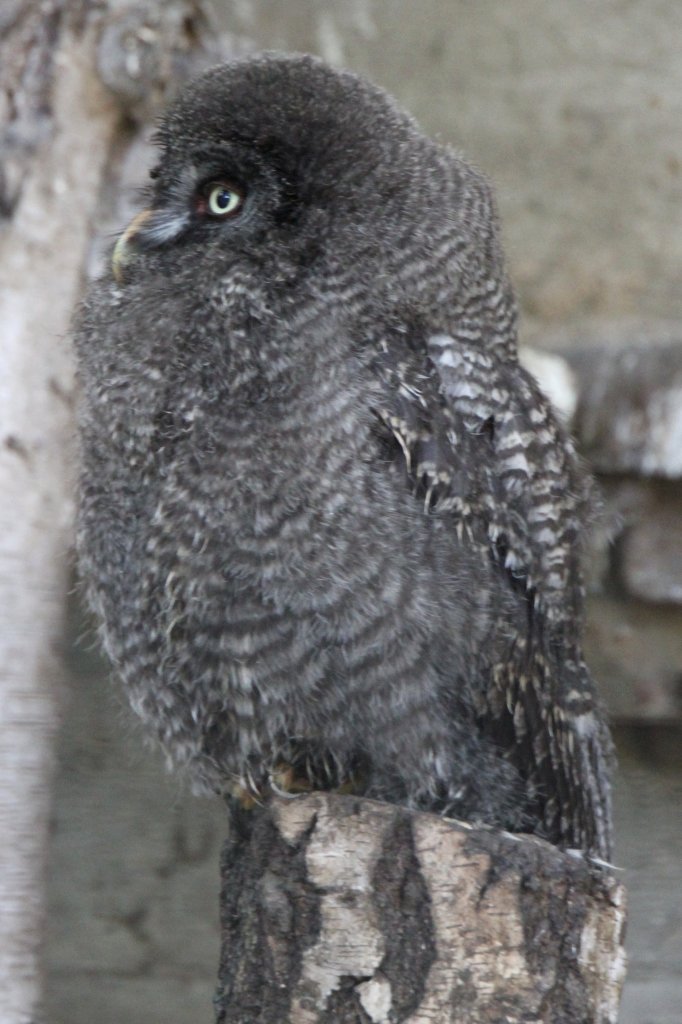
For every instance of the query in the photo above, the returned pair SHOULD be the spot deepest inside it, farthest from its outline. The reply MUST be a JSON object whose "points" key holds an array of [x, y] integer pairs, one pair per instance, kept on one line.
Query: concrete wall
{"points": [[573, 109]]}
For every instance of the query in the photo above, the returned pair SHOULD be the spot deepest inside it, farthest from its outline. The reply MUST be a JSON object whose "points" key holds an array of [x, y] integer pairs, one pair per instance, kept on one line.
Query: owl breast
{"points": [[269, 569]]}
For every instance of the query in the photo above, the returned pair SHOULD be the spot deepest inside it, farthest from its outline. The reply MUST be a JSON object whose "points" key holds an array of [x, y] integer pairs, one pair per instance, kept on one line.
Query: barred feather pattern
{"points": [[480, 442], [331, 529]]}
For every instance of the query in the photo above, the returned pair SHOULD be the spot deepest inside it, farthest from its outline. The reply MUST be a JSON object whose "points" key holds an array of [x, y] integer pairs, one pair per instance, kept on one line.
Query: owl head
{"points": [[284, 168]]}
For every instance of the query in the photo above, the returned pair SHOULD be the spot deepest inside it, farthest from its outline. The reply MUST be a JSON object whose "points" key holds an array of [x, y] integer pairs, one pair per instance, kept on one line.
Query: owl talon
{"points": [[245, 798], [246, 793], [284, 782]]}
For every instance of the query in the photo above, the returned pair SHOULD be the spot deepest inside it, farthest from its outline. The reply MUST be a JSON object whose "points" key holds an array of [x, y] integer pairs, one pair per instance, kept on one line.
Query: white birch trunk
{"points": [[52, 180], [59, 127]]}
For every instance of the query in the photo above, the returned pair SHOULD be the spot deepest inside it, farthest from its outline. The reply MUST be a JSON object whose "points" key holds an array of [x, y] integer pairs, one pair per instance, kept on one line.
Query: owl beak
{"points": [[123, 251], [151, 229]]}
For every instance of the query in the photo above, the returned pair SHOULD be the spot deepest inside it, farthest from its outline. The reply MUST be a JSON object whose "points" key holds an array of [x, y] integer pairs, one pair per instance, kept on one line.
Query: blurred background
{"points": [[575, 112]]}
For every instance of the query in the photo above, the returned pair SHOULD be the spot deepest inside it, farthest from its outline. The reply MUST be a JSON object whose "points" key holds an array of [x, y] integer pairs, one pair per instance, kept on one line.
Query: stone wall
{"points": [[623, 383], [621, 386]]}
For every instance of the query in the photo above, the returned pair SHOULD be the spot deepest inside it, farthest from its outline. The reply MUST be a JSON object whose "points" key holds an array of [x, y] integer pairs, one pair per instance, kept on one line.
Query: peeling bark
{"points": [[340, 910]]}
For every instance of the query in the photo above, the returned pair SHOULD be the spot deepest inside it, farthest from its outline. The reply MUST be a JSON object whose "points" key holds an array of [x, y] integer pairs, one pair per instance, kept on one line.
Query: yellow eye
{"points": [[222, 199]]}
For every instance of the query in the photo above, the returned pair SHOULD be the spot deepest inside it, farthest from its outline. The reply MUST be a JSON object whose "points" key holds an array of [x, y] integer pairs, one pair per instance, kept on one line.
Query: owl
{"points": [[331, 528]]}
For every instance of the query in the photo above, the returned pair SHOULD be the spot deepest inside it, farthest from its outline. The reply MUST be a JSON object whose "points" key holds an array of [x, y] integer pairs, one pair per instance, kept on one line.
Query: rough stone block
{"points": [[651, 564], [635, 653], [555, 377], [629, 413], [648, 826], [639, 547]]}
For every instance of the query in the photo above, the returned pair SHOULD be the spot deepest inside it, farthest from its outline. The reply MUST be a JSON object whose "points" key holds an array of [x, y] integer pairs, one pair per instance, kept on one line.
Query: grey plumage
{"points": [[331, 527]]}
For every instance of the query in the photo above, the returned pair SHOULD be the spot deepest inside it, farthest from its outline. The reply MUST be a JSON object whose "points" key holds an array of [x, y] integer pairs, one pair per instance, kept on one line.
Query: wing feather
{"points": [[481, 443]]}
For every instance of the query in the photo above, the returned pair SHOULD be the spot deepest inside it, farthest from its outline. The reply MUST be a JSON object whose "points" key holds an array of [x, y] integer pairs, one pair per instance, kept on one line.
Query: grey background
{"points": [[575, 111]]}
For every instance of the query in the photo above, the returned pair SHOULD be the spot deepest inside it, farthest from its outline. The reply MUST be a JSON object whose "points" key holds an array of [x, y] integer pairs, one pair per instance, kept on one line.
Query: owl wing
{"points": [[480, 443]]}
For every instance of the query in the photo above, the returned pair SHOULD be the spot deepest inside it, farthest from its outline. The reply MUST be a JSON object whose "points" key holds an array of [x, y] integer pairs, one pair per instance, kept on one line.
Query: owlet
{"points": [[330, 526]]}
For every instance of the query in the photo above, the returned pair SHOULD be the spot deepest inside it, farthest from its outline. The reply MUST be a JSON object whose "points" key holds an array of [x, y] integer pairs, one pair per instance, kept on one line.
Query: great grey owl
{"points": [[331, 527]]}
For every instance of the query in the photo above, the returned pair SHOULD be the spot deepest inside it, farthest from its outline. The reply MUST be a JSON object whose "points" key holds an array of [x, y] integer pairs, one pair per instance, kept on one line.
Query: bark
{"points": [[346, 911], [75, 75]]}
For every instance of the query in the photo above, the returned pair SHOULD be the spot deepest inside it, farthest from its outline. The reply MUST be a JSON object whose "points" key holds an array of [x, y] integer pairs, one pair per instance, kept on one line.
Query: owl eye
{"points": [[221, 199]]}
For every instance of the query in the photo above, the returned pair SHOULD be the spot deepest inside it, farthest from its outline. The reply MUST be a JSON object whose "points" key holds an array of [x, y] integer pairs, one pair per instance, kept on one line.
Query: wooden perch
{"points": [[338, 910]]}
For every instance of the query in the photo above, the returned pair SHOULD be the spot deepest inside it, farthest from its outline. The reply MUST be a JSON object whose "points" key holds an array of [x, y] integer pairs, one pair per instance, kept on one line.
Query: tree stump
{"points": [[339, 910]]}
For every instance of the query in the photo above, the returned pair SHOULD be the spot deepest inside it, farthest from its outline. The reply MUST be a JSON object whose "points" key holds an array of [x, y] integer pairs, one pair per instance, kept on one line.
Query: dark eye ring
{"points": [[221, 199]]}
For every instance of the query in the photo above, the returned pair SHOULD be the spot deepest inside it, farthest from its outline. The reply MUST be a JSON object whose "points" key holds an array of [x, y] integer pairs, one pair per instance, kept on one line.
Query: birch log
{"points": [[337, 910]]}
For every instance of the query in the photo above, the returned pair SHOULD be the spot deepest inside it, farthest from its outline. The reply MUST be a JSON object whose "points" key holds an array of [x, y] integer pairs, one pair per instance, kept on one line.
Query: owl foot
{"points": [[301, 768], [245, 797], [286, 783]]}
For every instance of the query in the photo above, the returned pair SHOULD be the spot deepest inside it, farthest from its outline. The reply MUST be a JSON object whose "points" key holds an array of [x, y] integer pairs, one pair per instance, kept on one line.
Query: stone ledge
{"points": [[635, 653], [628, 417]]}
